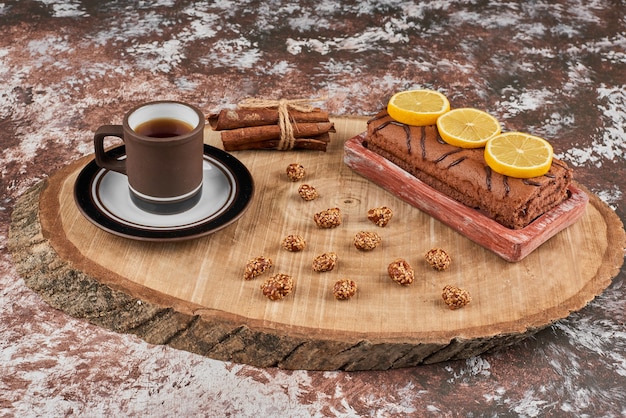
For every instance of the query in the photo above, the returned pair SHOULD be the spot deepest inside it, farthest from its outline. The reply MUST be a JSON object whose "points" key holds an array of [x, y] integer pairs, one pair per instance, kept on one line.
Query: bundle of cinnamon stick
{"points": [[255, 127]]}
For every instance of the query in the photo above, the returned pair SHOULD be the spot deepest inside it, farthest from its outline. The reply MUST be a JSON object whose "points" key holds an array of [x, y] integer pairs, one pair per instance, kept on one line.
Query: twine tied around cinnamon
{"points": [[287, 138]]}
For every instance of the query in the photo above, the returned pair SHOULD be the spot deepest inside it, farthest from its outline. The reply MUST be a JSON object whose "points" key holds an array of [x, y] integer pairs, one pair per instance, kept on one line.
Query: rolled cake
{"points": [[463, 174]]}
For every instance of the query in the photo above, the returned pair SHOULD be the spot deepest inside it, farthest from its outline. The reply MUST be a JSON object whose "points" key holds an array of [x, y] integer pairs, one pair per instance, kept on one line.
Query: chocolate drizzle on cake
{"points": [[383, 125], [531, 183], [423, 142], [488, 177], [457, 162], [407, 130], [444, 155], [507, 188]]}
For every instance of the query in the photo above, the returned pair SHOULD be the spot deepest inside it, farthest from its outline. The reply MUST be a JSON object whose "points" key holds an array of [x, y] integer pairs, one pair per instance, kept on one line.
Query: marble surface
{"points": [[556, 69]]}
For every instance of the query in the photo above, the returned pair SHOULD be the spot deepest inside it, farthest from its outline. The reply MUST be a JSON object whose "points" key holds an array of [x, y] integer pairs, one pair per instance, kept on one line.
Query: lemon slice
{"points": [[467, 127], [417, 107], [518, 154]]}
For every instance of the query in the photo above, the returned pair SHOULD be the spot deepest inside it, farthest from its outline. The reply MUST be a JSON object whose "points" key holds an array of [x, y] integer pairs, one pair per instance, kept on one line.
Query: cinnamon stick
{"points": [[241, 118], [238, 136], [318, 143]]}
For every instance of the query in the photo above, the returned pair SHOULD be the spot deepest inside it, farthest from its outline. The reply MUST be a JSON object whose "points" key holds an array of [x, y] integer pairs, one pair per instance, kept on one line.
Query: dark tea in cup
{"points": [[164, 155], [163, 128]]}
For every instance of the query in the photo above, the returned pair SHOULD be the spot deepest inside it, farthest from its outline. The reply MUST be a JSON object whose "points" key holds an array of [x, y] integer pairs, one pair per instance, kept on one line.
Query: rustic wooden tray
{"points": [[512, 245], [191, 295]]}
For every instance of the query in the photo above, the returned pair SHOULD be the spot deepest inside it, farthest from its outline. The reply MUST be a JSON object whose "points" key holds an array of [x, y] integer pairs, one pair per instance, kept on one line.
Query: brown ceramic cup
{"points": [[164, 155]]}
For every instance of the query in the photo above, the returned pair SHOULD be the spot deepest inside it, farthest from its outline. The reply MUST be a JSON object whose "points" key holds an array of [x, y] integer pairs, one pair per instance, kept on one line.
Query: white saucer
{"points": [[103, 198]]}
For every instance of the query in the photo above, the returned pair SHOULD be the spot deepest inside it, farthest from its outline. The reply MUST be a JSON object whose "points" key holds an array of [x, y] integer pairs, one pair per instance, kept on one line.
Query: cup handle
{"points": [[102, 159]]}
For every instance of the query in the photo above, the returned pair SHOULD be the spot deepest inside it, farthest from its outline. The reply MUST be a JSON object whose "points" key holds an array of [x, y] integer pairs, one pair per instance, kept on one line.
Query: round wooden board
{"points": [[191, 295]]}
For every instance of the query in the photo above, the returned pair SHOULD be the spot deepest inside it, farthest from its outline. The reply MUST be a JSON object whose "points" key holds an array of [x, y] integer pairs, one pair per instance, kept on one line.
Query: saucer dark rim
{"points": [[244, 191]]}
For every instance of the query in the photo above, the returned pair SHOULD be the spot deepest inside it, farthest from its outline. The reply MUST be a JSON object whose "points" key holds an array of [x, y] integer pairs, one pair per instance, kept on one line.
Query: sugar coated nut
{"points": [[329, 218], [308, 192], [293, 243], [295, 172], [438, 259], [366, 241], [325, 262], [455, 297], [344, 289], [256, 266], [401, 272], [380, 216], [277, 286]]}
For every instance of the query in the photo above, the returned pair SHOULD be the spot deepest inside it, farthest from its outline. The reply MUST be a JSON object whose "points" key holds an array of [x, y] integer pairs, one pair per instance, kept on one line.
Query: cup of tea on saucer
{"points": [[164, 143]]}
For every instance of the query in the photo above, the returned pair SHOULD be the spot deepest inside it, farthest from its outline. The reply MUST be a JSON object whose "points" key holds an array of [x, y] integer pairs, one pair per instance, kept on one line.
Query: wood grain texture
{"points": [[191, 295]]}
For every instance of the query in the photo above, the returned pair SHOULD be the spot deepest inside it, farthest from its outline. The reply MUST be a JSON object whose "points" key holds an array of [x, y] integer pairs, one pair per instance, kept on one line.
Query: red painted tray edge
{"points": [[512, 245]]}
